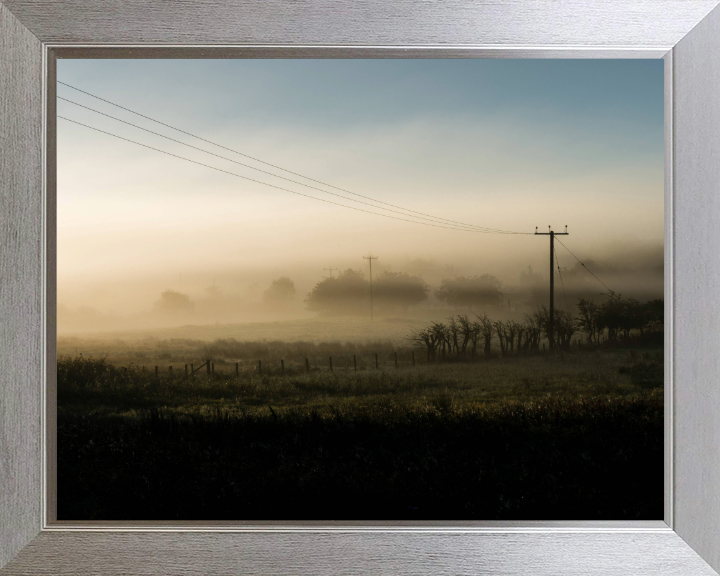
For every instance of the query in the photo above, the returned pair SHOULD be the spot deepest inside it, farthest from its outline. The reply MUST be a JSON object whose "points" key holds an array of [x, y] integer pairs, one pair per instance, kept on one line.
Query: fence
{"points": [[374, 362], [279, 367]]}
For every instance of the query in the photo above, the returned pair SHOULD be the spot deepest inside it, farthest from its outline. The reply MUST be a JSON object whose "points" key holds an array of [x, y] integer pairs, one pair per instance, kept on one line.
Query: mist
{"points": [[231, 295]]}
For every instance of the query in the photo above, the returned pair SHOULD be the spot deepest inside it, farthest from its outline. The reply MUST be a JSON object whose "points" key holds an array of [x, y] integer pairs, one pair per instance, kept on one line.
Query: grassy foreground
{"points": [[576, 436]]}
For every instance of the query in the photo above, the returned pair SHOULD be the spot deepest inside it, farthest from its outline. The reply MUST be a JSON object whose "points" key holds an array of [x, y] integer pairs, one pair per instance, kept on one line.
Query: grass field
{"points": [[568, 435], [342, 329]]}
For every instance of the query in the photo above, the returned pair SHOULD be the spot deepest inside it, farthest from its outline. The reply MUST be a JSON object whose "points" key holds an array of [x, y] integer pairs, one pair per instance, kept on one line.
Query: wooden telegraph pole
{"points": [[370, 258], [551, 316]]}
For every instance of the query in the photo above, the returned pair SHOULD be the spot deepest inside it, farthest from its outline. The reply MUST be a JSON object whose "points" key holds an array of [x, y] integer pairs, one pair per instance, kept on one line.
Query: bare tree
{"points": [[511, 330], [426, 337], [453, 329], [442, 336], [466, 331], [476, 329], [533, 331], [487, 330], [501, 331]]}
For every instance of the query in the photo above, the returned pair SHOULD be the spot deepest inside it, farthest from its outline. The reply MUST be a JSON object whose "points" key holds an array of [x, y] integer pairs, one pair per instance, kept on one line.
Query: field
{"points": [[328, 329], [572, 435]]}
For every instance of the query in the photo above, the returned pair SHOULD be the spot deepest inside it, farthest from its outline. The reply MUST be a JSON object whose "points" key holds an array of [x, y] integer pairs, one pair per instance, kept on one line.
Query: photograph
{"points": [[360, 289]]}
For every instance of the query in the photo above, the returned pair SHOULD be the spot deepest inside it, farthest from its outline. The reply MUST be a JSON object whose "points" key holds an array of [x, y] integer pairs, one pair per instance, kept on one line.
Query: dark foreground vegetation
{"points": [[547, 436]]}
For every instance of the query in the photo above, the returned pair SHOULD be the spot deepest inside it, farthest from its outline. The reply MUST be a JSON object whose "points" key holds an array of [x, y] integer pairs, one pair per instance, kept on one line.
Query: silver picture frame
{"points": [[685, 33]]}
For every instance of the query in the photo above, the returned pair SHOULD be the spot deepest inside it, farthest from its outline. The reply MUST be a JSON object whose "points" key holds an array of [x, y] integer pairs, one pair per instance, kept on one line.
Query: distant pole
{"points": [[192, 370], [186, 372], [331, 271], [307, 365], [260, 367], [370, 258], [209, 369], [282, 366], [157, 374], [213, 369], [551, 315], [237, 368], [331, 364]]}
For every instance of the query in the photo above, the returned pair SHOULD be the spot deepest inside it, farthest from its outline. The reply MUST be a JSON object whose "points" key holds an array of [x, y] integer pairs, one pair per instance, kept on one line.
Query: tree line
{"points": [[613, 320], [349, 292]]}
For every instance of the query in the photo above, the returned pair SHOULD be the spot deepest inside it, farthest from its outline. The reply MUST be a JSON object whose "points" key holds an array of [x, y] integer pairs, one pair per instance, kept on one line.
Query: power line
{"points": [[280, 187], [567, 307], [431, 219], [586, 268], [273, 165]]}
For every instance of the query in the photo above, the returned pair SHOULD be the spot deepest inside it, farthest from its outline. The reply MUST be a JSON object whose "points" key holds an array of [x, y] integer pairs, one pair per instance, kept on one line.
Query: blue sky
{"points": [[618, 101]]}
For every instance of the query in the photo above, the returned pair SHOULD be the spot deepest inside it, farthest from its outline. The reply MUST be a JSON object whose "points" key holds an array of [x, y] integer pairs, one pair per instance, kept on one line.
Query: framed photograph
{"points": [[96, 428]]}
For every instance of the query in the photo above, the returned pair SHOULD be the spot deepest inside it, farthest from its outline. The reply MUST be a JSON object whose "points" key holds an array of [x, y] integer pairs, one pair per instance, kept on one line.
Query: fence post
{"points": [[209, 369], [212, 369], [376, 362], [186, 373], [170, 369], [282, 366], [307, 365], [157, 374], [260, 367], [331, 364], [396, 360], [192, 370], [355, 362], [413, 355]]}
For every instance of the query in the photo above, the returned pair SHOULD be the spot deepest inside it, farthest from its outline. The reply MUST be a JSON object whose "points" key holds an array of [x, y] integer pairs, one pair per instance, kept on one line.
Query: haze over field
{"points": [[499, 143]]}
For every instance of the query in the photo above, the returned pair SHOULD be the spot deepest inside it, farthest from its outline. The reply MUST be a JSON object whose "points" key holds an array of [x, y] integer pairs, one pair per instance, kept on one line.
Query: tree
{"points": [[533, 328], [501, 331], [173, 302], [281, 290], [427, 338], [347, 293], [488, 331], [563, 325], [564, 328], [453, 330], [612, 314], [399, 290], [469, 332], [470, 291], [590, 321]]}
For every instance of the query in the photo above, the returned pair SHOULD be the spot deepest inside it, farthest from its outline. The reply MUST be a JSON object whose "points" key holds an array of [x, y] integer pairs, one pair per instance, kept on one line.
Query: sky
{"points": [[508, 144]]}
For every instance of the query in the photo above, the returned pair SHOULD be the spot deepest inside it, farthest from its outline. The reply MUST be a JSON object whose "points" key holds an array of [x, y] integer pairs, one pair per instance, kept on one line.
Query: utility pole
{"points": [[551, 316], [370, 258], [331, 271]]}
